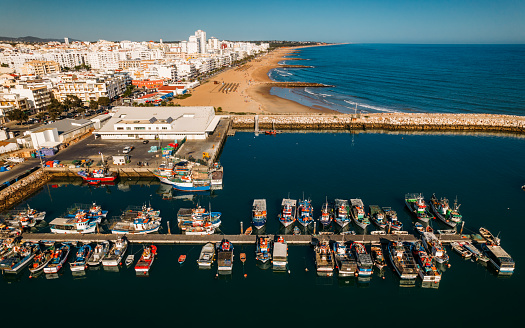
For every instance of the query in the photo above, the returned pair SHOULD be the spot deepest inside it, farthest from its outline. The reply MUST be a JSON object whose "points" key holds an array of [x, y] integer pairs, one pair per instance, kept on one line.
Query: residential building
{"points": [[39, 67]]}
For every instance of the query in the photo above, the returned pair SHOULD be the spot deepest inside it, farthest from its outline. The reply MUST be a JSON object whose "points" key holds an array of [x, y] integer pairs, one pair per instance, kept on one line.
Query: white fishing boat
{"points": [[76, 225], [207, 256], [116, 253], [99, 252], [19, 259]]}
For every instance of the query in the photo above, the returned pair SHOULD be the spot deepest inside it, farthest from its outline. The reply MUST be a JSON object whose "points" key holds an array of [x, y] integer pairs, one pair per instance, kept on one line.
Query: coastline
{"points": [[251, 95]]}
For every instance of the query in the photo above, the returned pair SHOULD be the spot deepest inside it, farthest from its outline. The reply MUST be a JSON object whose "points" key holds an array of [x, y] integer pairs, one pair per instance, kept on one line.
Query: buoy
{"points": [[245, 275], [288, 271], [306, 269], [449, 265], [383, 278]]}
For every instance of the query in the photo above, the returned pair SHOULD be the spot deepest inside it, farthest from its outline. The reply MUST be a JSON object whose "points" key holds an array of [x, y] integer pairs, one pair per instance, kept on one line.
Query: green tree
{"points": [[17, 115], [5, 65], [93, 104], [129, 91], [104, 101], [55, 109]]}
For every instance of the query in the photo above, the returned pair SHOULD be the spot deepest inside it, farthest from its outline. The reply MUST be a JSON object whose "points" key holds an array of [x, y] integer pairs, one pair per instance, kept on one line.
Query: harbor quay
{"points": [[384, 121], [174, 239]]}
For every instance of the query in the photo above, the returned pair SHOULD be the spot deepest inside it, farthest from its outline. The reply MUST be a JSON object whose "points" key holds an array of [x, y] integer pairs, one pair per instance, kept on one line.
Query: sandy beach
{"points": [[250, 94]]}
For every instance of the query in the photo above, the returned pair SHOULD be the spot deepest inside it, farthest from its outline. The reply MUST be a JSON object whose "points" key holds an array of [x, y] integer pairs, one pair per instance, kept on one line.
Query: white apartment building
{"points": [[38, 95], [91, 87]]}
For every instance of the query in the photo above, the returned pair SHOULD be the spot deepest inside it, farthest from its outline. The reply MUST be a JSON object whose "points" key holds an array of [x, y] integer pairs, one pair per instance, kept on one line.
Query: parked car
{"points": [[145, 141], [127, 149]]}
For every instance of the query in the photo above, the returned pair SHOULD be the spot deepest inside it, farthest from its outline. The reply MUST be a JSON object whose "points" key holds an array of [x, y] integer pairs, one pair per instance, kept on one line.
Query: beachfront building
{"points": [[89, 87], [167, 123]]}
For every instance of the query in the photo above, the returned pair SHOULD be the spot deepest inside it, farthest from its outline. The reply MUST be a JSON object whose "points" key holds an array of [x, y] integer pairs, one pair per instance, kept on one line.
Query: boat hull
{"points": [[441, 217]]}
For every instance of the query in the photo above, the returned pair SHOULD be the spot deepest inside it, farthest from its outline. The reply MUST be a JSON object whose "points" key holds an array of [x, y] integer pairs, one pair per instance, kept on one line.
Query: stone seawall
{"points": [[386, 121]]}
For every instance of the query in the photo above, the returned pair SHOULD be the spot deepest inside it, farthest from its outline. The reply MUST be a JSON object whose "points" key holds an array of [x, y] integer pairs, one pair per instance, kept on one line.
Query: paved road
{"points": [[19, 169]]}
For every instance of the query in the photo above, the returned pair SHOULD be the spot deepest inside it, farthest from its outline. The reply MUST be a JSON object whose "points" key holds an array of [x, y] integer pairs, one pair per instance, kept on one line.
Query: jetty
{"points": [[173, 239]]}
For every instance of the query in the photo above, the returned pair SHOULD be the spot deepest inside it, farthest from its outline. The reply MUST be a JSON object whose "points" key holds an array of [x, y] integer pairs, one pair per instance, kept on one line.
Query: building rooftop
{"points": [[64, 126]]}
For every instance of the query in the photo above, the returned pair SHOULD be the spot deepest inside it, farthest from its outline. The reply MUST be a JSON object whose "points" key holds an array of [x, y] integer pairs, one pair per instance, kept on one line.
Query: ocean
{"points": [[410, 78], [484, 172]]}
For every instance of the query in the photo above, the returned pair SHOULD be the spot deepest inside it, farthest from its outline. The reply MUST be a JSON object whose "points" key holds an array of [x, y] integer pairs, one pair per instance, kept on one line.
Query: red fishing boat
{"points": [[146, 260]]}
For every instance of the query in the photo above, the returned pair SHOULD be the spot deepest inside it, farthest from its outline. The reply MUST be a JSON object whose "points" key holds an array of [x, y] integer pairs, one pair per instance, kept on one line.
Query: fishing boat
{"points": [[198, 230], [442, 210], [324, 261], [434, 246], [116, 253], [99, 252], [248, 231], [80, 224], [419, 227], [427, 269], [26, 217], [129, 260], [501, 260], [478, 255], [100, 175], [198, 217], [296, 231], [402, 260], [288, 212], [185, 176], [489, 237], [225, 257], [342, 212], [391, 219], [459, 247], [42, 259], [147, 220], [327, 214], [82, 256], [358, 213], [263, 249], [364, 261], [7, 247], [206, 256], [377, 256], [259, 216], [378, 217], [344, 260], [146, 260], [280, 254], [97, 211], [305, 215], [182, 259], [59, 258], [19, 259], [417, 206]]}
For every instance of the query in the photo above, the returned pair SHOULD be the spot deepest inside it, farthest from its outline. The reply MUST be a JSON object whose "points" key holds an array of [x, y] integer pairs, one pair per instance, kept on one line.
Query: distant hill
{"points": [[32, 39]]}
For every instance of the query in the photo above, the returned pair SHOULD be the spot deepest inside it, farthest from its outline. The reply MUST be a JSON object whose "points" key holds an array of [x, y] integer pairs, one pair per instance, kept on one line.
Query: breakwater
{"points": [[23, 188], [385, 121]]}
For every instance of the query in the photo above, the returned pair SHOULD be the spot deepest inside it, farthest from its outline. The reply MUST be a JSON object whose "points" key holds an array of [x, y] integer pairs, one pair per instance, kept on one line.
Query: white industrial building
{"points": [[160, 123]]}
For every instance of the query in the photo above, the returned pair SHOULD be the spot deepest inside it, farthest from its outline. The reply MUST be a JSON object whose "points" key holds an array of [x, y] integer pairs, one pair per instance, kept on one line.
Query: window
{"points": [[128, 128], [140, 128], [164, 128], [120, 128]]}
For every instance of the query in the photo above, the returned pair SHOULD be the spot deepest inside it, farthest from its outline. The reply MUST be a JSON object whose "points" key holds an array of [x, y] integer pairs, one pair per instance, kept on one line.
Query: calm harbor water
{"points": [[411, 78], [484, 172]]}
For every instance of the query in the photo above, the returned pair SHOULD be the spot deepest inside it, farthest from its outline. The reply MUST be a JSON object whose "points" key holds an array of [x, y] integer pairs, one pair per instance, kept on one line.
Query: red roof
{"points": [[170, 87], [149, 95]]}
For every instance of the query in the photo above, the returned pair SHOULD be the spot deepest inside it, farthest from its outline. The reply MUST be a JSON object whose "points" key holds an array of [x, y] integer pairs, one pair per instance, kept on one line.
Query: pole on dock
{"points": [[98, 229], [169, 229], [462, 225], [315, 225], [241, 228]]}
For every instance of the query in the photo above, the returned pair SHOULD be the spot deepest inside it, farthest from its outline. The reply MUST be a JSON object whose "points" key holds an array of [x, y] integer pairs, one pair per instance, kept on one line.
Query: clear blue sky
{"points": [[382, 21]]}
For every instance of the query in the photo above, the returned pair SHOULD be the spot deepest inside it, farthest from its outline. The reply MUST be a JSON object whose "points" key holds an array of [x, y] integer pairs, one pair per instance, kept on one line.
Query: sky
{"points": [[360, 21]]}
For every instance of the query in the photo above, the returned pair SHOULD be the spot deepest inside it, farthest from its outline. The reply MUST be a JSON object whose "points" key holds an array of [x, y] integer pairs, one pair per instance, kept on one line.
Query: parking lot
{"points": [[90, 148]]}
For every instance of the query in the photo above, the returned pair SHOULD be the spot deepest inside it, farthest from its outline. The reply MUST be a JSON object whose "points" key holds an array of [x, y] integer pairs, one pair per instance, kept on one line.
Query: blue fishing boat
{"points": [[82, 256], [305, 215], [391, 219], [364, 261], [263, 250], [59, 258], [259, 215]]}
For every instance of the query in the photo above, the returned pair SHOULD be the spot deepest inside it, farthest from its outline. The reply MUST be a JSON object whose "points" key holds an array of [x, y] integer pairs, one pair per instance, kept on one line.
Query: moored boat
{"points": [[225, 257], [42, 258], [501, 260], [378, 216], [478, 255], [391, 219], [358, 213], [342, 212], [327, 214], [99, 175], [417, 206], [80, 224], [305, 215], [402, 260], [99, 252], [207, 256], [377, 256], [427, 269], [263, 249], [324, 261], [146, 259], [443, 211], [144, 221], [25, 217], [259, 215], [116, 253], [20, 258], [434, 246], [459, 247], [364, 261], [288, 212], [344, 260], [59, 258], [489, 237], [83, 254], [280, 254]]}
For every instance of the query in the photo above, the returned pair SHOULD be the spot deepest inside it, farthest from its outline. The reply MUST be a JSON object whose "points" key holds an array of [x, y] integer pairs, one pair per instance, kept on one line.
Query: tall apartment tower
{"points": [[66, 41], [201, 40]]}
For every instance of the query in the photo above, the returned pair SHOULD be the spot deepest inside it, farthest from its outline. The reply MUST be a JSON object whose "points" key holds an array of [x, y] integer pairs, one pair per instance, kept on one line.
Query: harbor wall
{"points": [[23, 188], [385, 121]]}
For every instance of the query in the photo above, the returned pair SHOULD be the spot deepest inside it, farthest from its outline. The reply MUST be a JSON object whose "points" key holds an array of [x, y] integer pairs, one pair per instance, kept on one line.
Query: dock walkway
{"points": [[235, 239]]}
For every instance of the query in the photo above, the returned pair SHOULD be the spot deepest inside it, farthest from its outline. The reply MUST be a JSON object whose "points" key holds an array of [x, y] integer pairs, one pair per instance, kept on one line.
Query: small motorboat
{"points": [[243, 257], [129, 260], [248, 231], [182, 258], [296, 231]]}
